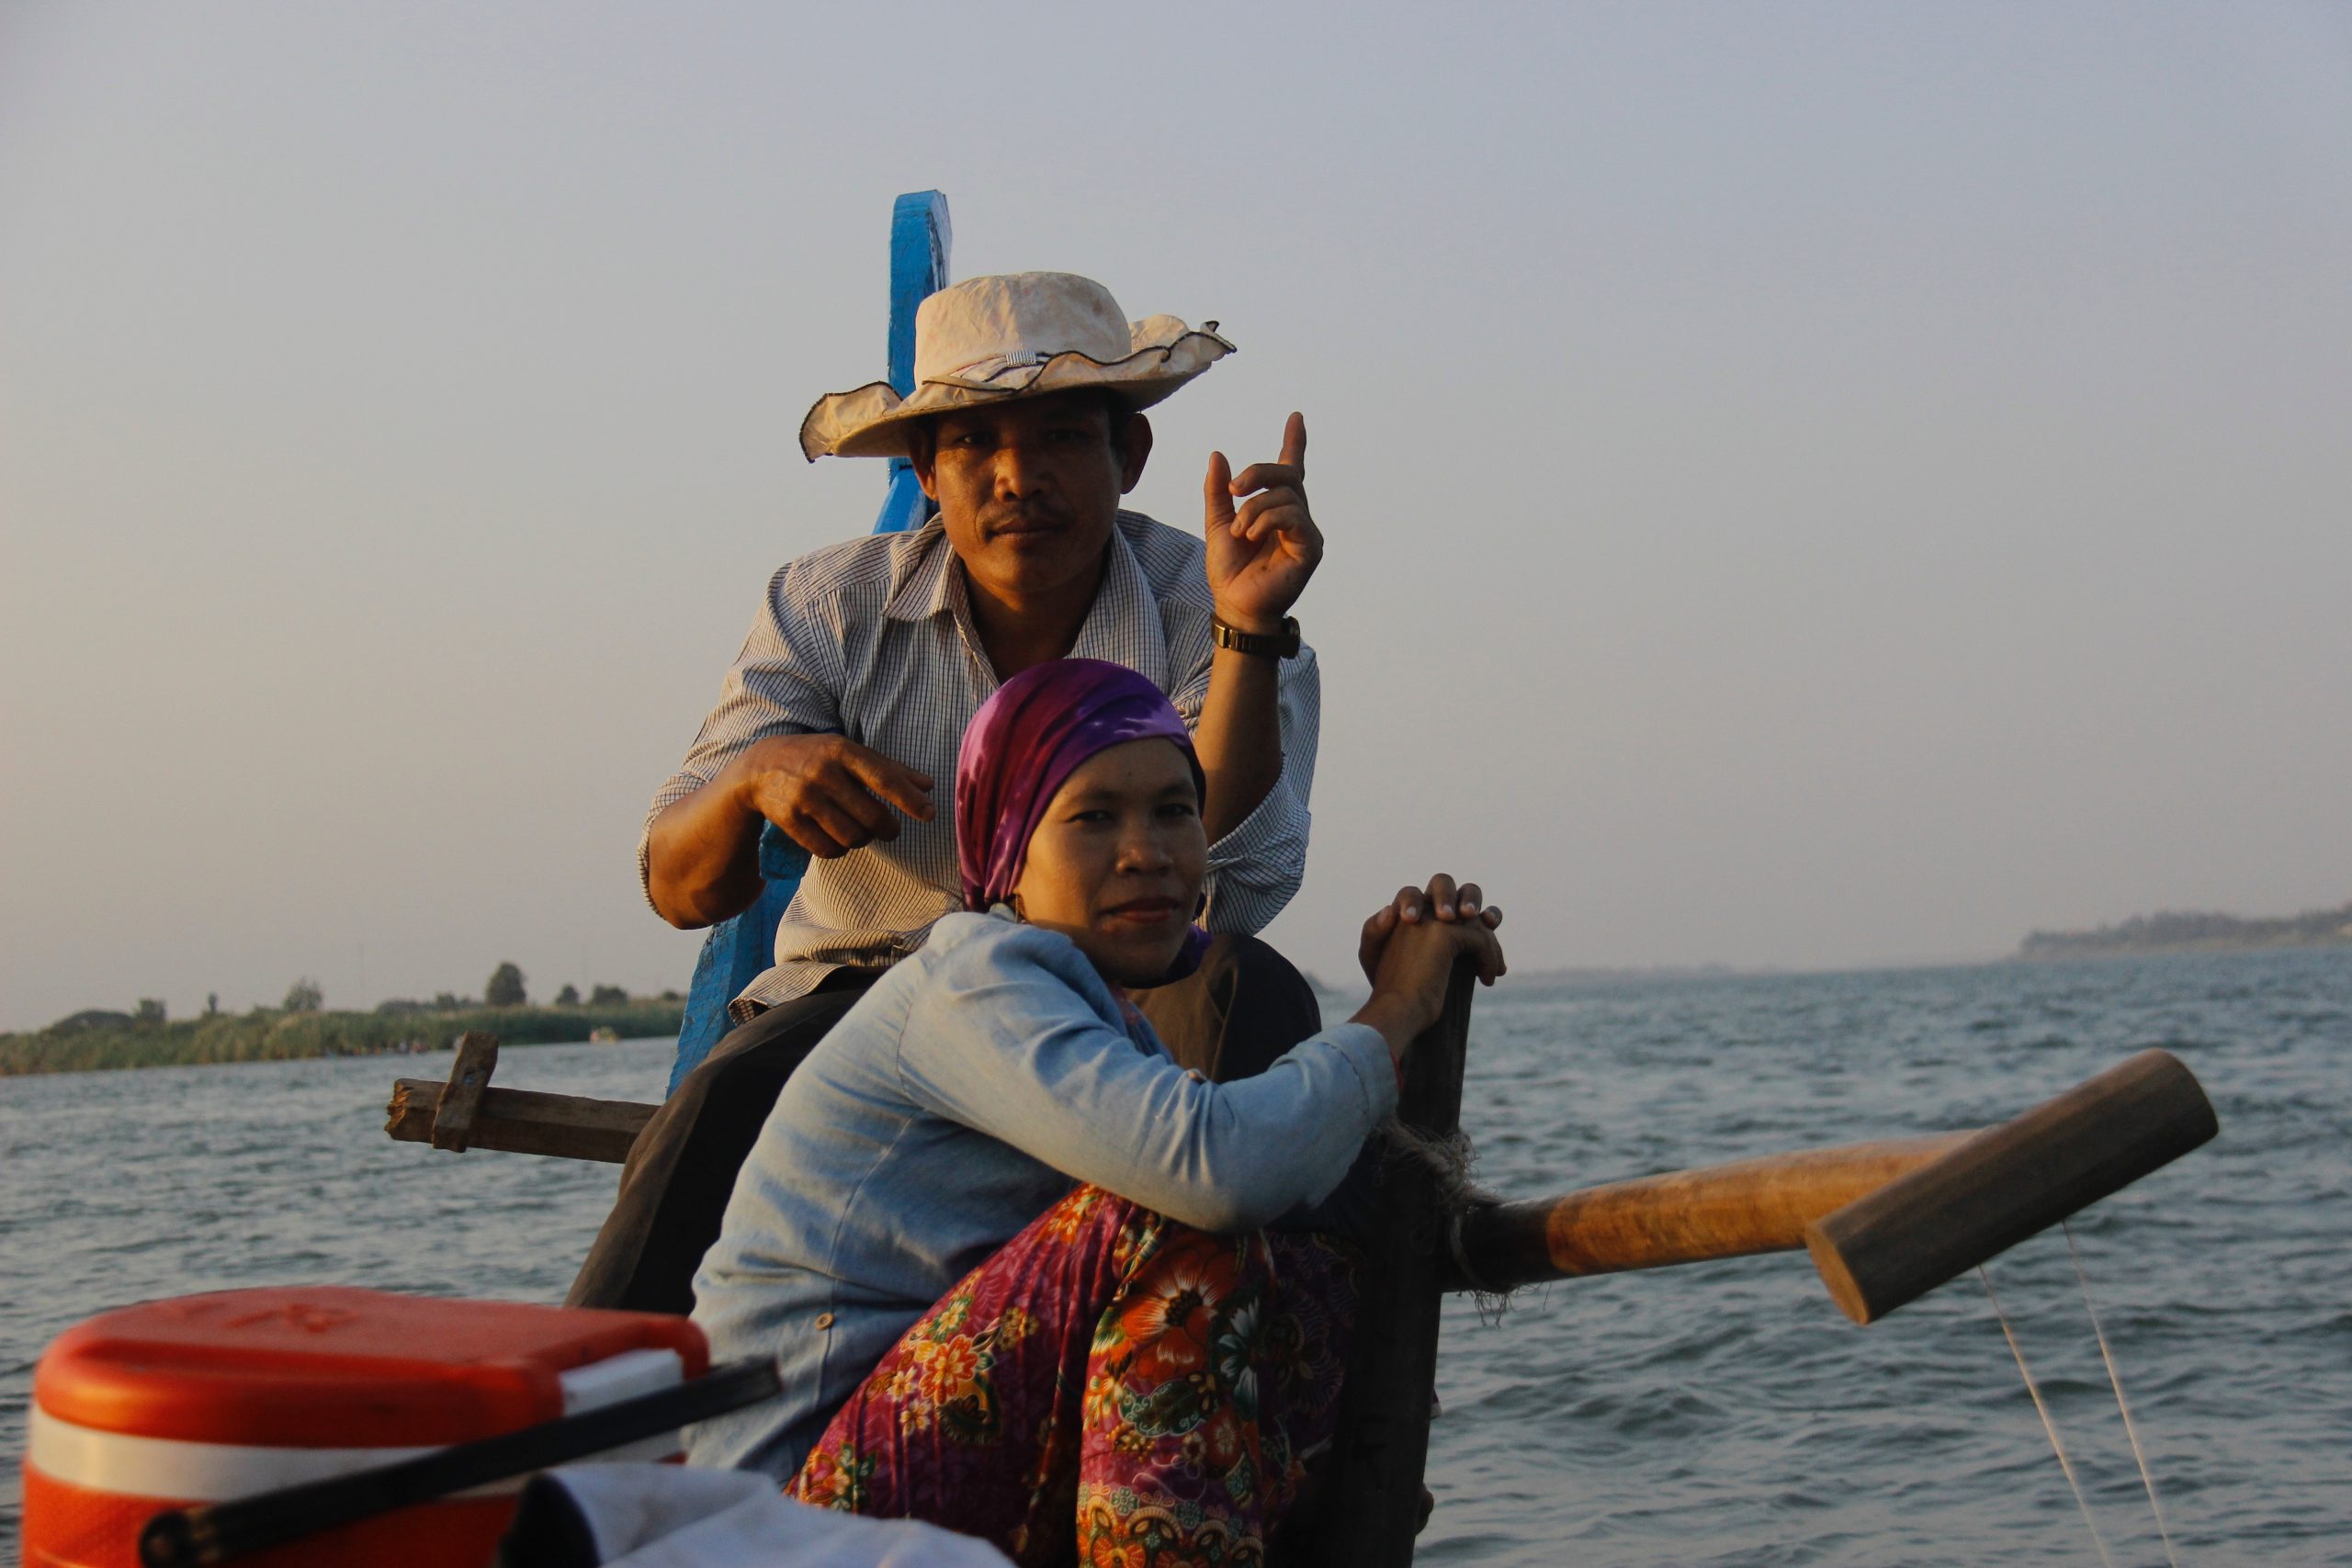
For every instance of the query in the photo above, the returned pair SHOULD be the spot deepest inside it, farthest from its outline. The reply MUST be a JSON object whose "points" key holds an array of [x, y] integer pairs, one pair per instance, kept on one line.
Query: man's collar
{"points": [[925, 578], [1122, 625]]}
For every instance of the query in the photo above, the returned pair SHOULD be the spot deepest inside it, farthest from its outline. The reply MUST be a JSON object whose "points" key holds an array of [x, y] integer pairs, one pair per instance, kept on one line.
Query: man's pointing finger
{"points": [[1295, 442], [900, 786]]}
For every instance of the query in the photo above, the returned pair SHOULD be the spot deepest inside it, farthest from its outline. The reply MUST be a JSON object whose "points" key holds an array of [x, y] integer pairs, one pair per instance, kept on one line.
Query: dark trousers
{"points": [[1242, 1009]]}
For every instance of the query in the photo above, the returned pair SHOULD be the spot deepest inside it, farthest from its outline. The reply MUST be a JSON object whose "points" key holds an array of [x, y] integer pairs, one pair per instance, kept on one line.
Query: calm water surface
{"points": [[1718, 1415]]}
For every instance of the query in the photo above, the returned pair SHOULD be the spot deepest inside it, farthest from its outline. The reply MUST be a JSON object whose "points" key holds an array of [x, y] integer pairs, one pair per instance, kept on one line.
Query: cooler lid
{"points": [[331, 1366]]}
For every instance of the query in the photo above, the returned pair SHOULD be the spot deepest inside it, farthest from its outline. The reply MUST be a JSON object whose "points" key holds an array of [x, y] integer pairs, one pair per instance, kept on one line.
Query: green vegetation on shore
{"points": [[93, 1042], [2195, 933]]}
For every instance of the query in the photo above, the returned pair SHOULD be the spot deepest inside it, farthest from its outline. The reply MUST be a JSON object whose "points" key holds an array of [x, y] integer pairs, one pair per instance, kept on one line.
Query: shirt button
{"points": [[824, 1320]]}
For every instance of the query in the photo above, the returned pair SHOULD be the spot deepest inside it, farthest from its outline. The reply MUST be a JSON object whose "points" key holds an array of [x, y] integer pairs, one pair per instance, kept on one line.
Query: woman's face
{"points": [[1116, 862]]}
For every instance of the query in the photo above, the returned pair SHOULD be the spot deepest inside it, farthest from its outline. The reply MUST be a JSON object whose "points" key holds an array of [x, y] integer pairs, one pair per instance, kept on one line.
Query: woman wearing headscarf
{"points": [[1010, 1257]]}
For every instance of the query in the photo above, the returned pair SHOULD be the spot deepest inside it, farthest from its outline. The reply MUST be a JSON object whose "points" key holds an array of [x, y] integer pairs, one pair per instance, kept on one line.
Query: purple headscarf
{"points": [[1024, 745]]}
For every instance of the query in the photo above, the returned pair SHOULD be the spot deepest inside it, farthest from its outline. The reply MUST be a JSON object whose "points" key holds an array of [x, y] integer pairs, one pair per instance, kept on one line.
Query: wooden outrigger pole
{"points": [[1885, 1221]]}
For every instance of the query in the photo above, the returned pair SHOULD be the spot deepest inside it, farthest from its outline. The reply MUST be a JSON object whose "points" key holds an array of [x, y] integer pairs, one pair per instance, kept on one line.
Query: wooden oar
{"points": [[1680, 1216], [1885, 1221], [2009, 1182]]}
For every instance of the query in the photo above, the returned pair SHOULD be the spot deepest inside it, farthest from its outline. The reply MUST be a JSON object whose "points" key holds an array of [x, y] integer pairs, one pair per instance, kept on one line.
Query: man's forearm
{"points": [[1240, 738], [702, 856]]}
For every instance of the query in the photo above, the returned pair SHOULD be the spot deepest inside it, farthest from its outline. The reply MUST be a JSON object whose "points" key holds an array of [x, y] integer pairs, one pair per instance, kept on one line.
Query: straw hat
{"points": [[1022, 334]]}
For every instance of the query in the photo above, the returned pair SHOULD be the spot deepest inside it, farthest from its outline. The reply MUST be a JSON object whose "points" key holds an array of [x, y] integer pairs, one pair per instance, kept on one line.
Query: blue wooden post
{"points": [[918, 242], [736, 951]]}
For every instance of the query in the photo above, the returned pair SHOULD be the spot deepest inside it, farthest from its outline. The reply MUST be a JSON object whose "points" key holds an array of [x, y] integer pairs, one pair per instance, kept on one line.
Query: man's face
{"points": [[1028, 489]]}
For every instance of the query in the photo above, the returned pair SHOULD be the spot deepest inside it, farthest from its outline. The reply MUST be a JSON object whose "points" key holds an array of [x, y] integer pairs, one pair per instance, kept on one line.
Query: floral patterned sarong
{"points": [[1110, 1387]]}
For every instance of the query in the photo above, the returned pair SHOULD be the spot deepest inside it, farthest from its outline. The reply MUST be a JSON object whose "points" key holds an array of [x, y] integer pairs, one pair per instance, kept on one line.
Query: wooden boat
{"points": [[1884, 1224]]}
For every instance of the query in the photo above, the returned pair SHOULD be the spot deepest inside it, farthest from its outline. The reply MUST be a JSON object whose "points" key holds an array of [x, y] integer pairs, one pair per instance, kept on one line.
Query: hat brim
{"points": [[871, 421]]}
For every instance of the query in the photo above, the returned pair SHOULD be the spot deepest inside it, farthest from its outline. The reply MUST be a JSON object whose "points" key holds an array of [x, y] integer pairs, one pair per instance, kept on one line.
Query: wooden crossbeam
{"points": [[465, 1113]]}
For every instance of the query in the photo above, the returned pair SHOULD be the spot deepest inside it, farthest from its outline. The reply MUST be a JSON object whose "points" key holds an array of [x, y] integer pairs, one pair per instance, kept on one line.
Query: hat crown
{"points": [[978, 329], [1022, 334]]}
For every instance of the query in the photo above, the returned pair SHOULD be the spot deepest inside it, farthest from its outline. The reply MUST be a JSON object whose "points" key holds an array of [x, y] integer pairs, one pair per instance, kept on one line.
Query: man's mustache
{"points": [[1032, 512]]}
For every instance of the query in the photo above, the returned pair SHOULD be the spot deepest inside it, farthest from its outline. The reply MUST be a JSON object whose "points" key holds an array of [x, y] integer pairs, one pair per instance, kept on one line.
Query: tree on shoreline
{"points": [[505, 987], [304, 996]]}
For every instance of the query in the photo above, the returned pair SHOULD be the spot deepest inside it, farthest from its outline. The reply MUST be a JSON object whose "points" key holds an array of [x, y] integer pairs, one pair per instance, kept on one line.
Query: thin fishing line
{"points": [[2064, 1464], [2131, 1427]]}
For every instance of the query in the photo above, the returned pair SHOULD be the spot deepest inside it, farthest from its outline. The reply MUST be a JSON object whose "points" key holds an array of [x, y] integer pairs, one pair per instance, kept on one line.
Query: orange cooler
{"points": [[202, 1399]]}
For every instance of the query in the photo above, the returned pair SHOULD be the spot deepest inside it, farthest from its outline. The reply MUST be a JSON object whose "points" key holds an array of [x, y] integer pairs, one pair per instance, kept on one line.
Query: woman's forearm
{"points": [[1241, 1153], [1220, 1156], [1399, 1019]]}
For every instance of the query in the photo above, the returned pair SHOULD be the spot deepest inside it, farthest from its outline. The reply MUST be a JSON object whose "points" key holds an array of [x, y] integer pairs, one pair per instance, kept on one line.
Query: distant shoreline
{"points": [[1589, 975], [2194, 932], [266, 1034], [271, 1036], [2159, 949]]}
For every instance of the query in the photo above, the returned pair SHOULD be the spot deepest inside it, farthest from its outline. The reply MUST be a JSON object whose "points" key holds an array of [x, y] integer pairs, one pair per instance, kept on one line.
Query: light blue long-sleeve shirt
{"points": [[962, 1096]]}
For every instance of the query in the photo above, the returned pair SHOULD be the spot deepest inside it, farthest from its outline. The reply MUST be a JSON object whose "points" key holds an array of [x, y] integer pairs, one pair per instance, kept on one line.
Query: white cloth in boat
{"points": [[959, 1100], [658, 1516], [873, 640]]}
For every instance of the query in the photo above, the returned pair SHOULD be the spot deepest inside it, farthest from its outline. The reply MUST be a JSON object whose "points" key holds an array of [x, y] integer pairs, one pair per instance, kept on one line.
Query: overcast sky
{"points": [[1807, 485]]}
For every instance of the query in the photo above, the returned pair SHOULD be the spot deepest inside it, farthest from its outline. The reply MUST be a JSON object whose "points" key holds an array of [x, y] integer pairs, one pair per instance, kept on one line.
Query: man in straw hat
{"points": [[841, 719]]}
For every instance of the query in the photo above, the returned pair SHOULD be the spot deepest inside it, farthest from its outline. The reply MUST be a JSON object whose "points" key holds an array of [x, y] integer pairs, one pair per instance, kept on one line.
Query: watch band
{"points": [[1279, 644]]}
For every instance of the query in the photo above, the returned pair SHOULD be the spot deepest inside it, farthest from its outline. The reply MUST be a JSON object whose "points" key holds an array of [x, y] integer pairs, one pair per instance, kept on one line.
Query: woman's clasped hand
{"points": [[1409, 949]]}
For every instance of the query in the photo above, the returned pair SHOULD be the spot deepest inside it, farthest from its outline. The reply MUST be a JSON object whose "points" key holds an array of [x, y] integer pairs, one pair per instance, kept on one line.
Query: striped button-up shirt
{"points": [[874, 640]]}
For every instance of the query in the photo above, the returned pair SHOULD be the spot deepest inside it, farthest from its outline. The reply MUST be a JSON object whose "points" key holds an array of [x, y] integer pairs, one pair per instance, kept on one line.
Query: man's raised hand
{"points": [[1261, 552], [830, 795]]}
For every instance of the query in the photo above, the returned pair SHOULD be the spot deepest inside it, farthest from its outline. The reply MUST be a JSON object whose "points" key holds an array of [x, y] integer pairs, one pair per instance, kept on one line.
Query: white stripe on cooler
{"points": [[616, 1378], [123, 1465]]}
